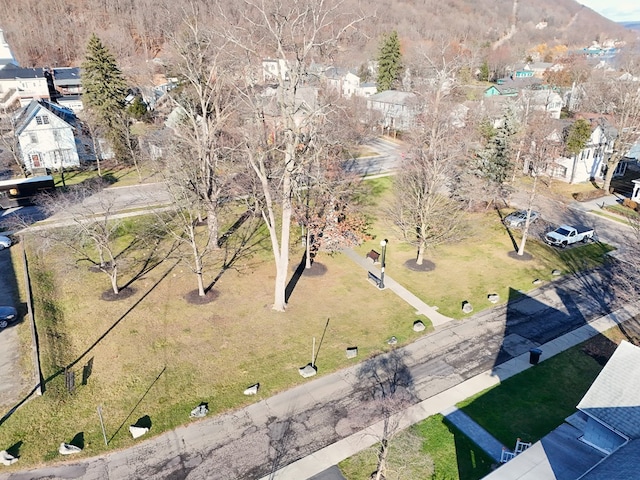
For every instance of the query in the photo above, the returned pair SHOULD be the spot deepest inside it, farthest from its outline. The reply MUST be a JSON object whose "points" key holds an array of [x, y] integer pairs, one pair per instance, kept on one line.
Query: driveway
{"points": [[10, 375]]}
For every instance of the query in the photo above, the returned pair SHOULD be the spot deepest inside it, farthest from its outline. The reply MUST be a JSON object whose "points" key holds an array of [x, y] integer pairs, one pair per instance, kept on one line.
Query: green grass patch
{"points": [[120, 175], [621, 211], [536, 401], [432, 449]]}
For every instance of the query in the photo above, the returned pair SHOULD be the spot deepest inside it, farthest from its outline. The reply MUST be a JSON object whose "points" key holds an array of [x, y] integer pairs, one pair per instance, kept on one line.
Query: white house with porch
{"points": [[46, 135], [589, 163]]}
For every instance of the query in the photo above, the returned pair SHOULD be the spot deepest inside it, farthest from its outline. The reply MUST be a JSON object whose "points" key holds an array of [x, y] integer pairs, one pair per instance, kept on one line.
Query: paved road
{"points": [[385, 161], [254, 441], [11, 379]]}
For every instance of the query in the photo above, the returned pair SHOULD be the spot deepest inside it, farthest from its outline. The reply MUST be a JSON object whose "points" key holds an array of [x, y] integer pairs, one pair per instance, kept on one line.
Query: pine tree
{"points": [[104, 90], [389, 62]]}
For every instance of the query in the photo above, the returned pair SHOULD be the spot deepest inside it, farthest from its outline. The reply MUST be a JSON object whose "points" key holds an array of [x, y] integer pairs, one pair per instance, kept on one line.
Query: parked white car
{"points": [[5, 242]]}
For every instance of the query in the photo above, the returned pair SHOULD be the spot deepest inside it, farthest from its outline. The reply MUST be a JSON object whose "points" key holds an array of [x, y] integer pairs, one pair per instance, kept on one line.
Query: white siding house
{"points": [[46, 136], [396, 108], [587, 164]]}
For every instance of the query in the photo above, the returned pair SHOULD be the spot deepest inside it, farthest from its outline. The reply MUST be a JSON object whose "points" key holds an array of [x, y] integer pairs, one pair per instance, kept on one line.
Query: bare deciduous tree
{"points": [[203, 103], [543, 144], [280, 126], [89, 229], [423, 209]]}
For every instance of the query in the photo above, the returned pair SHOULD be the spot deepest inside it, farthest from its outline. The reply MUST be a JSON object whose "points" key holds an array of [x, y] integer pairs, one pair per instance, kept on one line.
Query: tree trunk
{"points": [[525, 230], [114, 279], [197, 261], [382, 459], [420, 257], [308, 248], [612, 164]]}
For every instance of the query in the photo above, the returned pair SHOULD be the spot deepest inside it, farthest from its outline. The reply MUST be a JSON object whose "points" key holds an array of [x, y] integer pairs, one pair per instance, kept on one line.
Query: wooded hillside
{"points": [[55, 32]]}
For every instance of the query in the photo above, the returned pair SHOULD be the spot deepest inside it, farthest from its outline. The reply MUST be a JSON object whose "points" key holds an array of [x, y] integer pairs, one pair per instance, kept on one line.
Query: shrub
{"points": [[589, 195], [627, 202]]}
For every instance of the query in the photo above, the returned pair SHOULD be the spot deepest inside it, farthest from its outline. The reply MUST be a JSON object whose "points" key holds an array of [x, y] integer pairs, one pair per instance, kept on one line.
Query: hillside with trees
{"points": [[55, 33]]}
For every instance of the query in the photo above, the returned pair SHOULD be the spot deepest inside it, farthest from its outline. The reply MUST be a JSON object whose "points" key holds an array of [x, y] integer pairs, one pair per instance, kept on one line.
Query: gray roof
{"points": [[614, 397], [395, 97], [11, 73], [620, 465], [66, 76], [26, 115]]}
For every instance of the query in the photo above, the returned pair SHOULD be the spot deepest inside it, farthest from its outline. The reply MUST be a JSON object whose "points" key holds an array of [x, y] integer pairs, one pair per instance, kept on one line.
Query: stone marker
{"points": [[6, 458], [555, 273], [68, 449], [418, 326], [537, 281], [137, 431], [392, 341], [199, 412], [352, 352], [493, 297], [308, 370], [467, 307], [252, 390]]}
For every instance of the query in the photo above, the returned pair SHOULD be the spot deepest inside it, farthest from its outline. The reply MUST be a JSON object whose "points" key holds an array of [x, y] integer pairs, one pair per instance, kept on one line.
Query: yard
{"points": [[155, 354], [527, 406]]}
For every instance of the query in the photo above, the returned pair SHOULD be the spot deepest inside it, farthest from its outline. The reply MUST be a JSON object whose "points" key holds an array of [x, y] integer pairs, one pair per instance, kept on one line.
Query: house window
{"points": [[33, 138], [57, 136], [42, 120]]}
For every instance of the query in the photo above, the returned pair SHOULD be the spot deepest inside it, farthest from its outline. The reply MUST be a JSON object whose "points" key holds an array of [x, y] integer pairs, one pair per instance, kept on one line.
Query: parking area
{"points": [[11, 378]]}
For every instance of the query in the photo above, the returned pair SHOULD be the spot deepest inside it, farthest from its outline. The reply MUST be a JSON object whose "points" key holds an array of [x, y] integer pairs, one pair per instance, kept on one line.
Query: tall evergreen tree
{"points": [[104, 90], [389, 62], [493, 162]]}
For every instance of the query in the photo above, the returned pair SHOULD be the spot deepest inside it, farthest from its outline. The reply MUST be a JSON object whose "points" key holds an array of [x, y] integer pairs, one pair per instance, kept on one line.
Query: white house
{"points": [[544, 100], [46, 135], [589, 163], [273, 69], [348, 83], [396, 108]]}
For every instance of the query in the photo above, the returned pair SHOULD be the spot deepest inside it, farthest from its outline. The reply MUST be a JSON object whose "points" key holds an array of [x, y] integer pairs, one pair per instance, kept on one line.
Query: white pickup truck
{"points": [[566, 235]]}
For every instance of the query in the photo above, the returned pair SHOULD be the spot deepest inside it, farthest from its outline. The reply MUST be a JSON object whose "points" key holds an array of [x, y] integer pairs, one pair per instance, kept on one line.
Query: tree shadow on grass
{"points": [[142, 422], [242, 245], [472, 461], [42, 382]]}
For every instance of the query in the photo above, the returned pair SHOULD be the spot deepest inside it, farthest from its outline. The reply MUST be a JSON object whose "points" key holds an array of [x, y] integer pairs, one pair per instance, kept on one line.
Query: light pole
{"points": [[383, 244]]}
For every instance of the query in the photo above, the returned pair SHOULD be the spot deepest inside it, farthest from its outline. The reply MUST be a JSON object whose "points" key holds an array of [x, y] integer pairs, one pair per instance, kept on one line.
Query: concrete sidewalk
{"points": [[422, 308], [442, 403]]}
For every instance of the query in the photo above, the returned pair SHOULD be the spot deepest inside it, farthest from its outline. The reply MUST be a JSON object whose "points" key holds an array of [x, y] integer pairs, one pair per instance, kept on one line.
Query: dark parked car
{"points": [[517, 219], [7, 315]]}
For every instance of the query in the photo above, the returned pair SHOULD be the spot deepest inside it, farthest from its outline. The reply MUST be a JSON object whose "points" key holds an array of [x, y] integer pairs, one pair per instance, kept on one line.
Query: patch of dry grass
{"points": [[185, 354]]}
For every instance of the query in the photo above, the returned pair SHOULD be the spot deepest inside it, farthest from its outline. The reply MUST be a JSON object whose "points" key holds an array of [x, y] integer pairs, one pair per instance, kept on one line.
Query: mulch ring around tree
{"points": [[194, 298], [427, 266], [525, 257], [317, 270], [109, 296]]}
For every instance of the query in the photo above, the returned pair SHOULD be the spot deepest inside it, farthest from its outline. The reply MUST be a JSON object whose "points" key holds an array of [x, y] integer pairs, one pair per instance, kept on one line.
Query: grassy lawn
{"points": [[120, 175], [527, 406], [432, 449], [154, 353], [475, 267], [534, 402]]}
